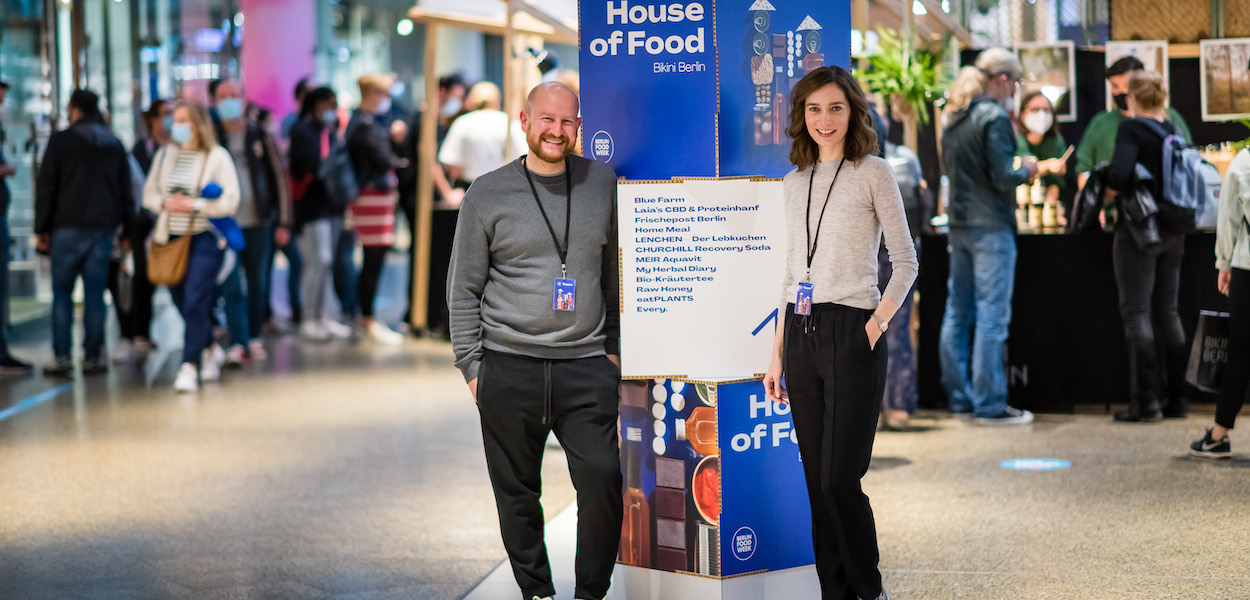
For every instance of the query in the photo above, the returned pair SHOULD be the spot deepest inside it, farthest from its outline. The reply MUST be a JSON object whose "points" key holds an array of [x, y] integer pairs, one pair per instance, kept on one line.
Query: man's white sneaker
{"points": [[314, 331], [256, 350], [384, 335], [124, 351], [236, 356], [186, 381], [210, 363], [336, 329]]}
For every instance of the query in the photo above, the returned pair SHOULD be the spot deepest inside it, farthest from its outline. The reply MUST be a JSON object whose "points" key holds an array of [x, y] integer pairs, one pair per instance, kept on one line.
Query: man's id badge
{"points": [[803, 303], [565, 293]]}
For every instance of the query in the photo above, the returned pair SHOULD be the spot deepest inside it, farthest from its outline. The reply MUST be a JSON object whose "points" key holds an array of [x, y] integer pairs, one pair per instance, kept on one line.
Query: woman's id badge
{"points": [[803, 303], [564, 295]]}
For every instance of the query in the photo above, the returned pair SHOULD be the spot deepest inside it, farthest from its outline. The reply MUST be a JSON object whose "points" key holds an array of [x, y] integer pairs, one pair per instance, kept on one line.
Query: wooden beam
{"points": [[953, 26], [426, 161], [535, 25]]}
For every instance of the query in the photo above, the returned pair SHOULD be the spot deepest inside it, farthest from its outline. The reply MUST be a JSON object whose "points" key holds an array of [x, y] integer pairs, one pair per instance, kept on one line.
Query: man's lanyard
{"points": [[568, 213], [811, 244]]}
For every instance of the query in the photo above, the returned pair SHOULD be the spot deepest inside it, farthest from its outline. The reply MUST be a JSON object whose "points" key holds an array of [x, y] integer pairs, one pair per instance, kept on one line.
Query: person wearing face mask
{"points": [[1148, 278], [476, 141], [1039, 138], [318, 214], [373, 211], [978, 150], [451, 91], [180, 173], [83, 196], [1098, 142], [264, 214]]}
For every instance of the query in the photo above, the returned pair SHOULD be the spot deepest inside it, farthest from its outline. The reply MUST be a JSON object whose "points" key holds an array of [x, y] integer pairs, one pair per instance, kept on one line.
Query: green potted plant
{"points": [[908, 77]]}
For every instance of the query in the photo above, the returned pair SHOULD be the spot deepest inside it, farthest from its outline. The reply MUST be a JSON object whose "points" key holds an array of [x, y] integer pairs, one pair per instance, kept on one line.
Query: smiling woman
{"points": [[830, 350], [816, 95]]}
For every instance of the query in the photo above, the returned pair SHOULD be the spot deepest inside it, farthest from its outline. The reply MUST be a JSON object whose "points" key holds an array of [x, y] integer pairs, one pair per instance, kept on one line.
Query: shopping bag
{"points": [[1209, 352]]}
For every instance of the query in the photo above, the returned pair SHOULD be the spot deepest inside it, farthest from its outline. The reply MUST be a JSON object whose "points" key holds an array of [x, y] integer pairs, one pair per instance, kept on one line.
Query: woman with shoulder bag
{"points": [[1148, 279], [839, 201], [175, 190], [1232, 258], [318, 209]]}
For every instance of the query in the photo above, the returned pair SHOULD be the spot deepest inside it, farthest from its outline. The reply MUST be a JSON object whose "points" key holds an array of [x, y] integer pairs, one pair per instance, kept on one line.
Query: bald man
{"points": [[535, 327]]}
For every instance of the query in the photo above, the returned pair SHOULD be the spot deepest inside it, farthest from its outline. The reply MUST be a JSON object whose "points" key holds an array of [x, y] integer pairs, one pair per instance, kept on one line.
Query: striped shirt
{"points": [[373, 214], [185, 176]]}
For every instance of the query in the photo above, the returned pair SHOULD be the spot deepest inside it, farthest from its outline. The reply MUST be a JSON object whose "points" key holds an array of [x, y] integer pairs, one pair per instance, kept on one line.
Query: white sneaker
{"points": [[384, 335], [124, 351], [314, 331], [256, 350], [236, 356], [210, 366], [186, 381], [336, 329]]}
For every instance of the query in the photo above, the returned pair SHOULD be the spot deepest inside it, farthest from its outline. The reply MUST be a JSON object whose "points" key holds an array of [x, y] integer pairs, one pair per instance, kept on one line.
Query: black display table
{"points": [[1066, 343]]}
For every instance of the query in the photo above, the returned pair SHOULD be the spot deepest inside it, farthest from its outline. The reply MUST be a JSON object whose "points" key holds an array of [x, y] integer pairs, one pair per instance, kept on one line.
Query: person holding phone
{"points": [[839, 200], [174, 191]]}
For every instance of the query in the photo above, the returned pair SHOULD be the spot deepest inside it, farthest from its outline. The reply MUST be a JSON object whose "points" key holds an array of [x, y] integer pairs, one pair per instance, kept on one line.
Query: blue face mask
{"points": [[230, 109], [167, 123], [180, 133], [329, 117]]}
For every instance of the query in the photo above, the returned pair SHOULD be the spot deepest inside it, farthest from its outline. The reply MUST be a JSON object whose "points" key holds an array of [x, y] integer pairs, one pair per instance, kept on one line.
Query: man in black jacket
{"points": [[83, 196], [264, 215]]}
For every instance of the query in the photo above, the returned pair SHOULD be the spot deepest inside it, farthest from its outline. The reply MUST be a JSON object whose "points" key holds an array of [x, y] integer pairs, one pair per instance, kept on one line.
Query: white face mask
{"points": [[383, 107], [451, 107], [1039, 122]]}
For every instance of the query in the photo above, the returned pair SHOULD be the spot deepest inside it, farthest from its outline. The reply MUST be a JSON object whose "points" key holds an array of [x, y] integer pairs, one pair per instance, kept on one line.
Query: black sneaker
{"points": [[94, 366], [1209, 448], [1009, 416], [8, 364], [59, 367]]}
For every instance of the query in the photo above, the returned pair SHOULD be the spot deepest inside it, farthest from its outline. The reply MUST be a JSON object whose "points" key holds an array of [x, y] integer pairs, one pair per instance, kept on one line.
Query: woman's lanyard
{"points": [[812, 243], [803, 301], [565, 291]]}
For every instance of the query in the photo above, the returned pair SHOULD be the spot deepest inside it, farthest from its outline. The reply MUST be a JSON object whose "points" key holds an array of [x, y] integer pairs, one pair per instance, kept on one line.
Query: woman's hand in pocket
{"points": [[874, 333]]}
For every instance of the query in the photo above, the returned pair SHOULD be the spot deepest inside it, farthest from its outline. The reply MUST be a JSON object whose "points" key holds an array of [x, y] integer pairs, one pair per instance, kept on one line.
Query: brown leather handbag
{"points": [[167, 263]]}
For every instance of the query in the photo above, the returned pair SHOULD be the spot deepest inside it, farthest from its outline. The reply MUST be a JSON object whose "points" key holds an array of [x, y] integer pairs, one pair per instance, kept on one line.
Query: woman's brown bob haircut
{"points": [[861, 138]]}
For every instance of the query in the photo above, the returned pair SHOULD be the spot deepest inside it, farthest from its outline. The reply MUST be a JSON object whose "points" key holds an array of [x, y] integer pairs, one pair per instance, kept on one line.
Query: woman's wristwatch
{"points": [[882, 324]]}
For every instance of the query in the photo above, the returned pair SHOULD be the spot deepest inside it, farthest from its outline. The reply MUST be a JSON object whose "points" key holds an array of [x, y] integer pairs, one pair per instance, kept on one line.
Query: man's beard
{"points": [[536, 147]]}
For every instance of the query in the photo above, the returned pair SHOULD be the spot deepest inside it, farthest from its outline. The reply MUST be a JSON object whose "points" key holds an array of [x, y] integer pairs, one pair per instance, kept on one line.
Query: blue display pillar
{"points": [[715, 503]]}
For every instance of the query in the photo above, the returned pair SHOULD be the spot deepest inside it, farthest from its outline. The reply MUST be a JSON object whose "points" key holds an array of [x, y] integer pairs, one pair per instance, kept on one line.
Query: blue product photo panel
{"points": [[764, 49], [765, 514]]}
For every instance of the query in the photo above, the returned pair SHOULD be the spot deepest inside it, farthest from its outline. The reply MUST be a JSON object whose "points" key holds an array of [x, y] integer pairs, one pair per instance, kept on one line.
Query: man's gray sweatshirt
{"points": [[504, 264]]}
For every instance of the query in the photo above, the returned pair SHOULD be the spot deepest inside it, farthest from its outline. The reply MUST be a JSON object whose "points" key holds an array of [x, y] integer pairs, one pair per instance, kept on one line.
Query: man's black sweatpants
{"points": [[836, 383], [521, 400]]}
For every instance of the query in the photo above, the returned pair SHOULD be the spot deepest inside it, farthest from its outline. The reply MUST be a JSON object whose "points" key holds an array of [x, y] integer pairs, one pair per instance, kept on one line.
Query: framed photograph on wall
{"points": [[1052, 68], [1225, 81], [1152, 53]]}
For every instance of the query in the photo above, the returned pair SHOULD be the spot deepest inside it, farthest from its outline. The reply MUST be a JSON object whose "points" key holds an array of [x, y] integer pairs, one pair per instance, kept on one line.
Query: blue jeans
{"points": [[194, 296], [982, 277], [345, 273], [246, 289], [4, 283], [86, 253], [295, 260], [234, 294]]}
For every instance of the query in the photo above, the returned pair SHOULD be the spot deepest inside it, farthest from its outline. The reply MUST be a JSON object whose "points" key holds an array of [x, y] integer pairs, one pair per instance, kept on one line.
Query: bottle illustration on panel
{"points": [[636, 524]]}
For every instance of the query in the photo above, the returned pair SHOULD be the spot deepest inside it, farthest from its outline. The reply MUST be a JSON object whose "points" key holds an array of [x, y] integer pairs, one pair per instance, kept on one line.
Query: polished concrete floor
{"points": [[349, 470]]}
